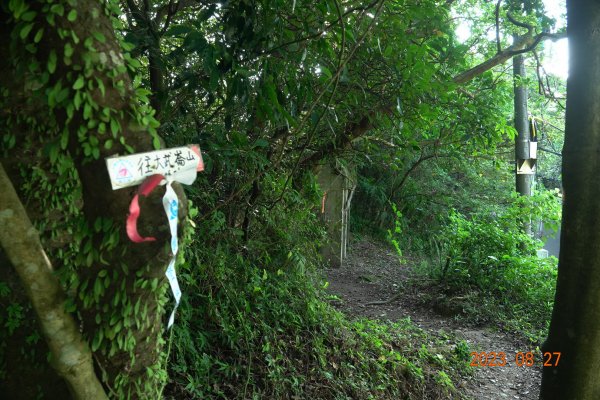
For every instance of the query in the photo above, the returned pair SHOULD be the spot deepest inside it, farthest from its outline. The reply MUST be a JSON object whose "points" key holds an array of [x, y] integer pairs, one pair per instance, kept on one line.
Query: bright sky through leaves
{"points": [[557, 53]]}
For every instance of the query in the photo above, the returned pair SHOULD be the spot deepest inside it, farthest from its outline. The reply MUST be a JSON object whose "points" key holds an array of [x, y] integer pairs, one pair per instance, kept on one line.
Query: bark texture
{"points": [[133, 262], [71, 357], [575, 325]]}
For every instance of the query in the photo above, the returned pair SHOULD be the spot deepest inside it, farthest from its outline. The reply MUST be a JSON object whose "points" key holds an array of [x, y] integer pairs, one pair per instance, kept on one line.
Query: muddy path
{"points": [[373, 273]]}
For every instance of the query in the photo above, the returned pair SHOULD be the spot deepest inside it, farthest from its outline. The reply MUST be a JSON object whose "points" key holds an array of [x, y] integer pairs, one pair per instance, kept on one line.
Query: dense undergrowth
{"points": [[254, 324], [467, 238], [488, 267]]}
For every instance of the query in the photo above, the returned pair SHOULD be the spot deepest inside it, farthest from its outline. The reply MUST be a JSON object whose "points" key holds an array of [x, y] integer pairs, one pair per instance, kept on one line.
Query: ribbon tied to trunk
{"points": [[149, 170]]}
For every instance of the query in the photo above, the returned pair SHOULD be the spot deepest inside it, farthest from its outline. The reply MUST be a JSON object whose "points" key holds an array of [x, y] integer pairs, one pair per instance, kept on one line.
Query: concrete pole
{"points": [[524, 164]]}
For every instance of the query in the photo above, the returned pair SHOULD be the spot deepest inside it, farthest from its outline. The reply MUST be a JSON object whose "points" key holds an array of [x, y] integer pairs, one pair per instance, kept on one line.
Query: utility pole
{"points": [[525, 148]]}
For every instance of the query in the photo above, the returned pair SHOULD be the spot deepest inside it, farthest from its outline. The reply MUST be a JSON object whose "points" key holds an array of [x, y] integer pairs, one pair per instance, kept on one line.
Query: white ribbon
{"points": [[179, 164], [171, 205]]}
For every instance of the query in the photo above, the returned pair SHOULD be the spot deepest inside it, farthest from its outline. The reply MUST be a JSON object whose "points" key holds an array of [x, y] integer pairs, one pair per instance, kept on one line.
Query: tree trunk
{"points": [[118, 295], [71, 357], [575, 325]]}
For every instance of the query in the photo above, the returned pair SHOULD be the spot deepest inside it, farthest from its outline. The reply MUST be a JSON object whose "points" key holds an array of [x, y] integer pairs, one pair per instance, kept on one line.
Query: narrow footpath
{"points": [[373, 273]]}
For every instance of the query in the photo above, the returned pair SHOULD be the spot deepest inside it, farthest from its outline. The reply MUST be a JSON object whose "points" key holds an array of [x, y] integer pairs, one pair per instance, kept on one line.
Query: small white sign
{"points": [[526, 167], [178, 164], [532, 149], [542, 253]]}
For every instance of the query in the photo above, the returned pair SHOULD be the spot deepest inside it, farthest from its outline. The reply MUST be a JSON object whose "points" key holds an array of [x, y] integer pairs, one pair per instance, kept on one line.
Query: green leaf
{"points": [[53, 152], [69, 50], [78, 83], [178, 30], [62, 95], [18, 7], [58, 9], [101, 86], [98, 288], [25, 31], [114, 126], [52, 62], [28, 16], [64, 139], [72, 16], [326, 72], [50, 19], [99, 37], [97, 341], [77, 100], [243, 72], [38, 36], [87, 111], [261, 143]]}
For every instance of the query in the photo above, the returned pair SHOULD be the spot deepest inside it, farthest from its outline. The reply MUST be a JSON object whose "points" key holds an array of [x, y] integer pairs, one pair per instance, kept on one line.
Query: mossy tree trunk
{"points": [[66, 86], [575, 325]]}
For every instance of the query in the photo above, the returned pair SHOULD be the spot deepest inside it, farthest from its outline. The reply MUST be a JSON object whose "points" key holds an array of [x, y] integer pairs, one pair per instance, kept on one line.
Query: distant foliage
{"points": [[489, 257]]}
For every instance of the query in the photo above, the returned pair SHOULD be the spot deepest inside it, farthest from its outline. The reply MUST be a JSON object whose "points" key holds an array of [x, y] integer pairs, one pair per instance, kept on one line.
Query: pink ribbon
{"points": [[134, 209], [145, 189], [196, 149]]}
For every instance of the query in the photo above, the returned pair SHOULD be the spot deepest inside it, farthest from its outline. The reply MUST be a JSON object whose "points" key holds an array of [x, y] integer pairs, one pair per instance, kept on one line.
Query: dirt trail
{"points": [[373, 272]]}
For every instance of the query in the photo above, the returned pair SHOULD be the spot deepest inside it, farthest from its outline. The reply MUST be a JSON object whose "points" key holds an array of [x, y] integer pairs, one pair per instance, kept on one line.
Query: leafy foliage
{"points": [[255, 326], [270, 90], [487, 258]]}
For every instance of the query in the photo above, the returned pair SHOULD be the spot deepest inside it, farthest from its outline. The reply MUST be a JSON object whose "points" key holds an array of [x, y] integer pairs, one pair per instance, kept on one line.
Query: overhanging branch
{"points": [[524, 44]]}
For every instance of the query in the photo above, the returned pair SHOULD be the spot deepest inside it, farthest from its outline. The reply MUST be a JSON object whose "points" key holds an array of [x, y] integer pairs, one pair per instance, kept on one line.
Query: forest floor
{"points": [[373, 273]]}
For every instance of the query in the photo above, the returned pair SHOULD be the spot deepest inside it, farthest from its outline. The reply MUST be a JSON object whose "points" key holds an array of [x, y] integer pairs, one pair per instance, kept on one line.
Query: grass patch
{"points": [[245, 332]]}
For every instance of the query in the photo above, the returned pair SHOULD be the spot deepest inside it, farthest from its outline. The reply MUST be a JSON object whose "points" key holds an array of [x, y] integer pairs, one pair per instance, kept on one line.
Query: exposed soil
{"points": [[374, 273]]}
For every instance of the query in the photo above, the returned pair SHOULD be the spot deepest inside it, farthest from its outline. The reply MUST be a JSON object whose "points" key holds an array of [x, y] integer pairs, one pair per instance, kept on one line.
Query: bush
{"points": [[488, 256], [253, 324]]}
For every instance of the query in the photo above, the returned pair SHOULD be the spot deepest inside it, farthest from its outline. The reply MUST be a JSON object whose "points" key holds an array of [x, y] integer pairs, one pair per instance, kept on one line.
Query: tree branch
{"points": [[325, 29], [524, 44], [519, 23], [71, 357], [497, 15], [556, 153]]}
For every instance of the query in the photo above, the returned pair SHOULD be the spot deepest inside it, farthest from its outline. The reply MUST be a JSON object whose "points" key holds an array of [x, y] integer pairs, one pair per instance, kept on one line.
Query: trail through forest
{"points": [[373, 273]]}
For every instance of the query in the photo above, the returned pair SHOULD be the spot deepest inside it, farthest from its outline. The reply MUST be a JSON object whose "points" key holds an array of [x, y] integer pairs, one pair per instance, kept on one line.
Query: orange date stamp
{"points": [[521, 359]]}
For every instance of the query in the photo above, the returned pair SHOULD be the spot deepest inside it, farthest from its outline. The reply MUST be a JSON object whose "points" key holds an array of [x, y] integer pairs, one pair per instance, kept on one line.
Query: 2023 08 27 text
{"points": [[521, 359]]}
